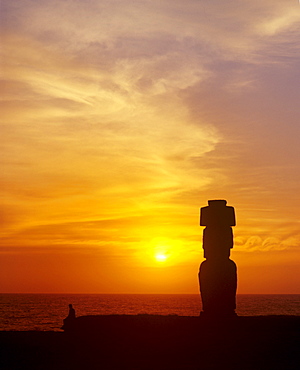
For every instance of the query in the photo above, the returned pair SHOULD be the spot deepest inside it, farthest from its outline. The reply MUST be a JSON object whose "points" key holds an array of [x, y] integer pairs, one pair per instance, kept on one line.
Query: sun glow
{"points": [[160, 257]]}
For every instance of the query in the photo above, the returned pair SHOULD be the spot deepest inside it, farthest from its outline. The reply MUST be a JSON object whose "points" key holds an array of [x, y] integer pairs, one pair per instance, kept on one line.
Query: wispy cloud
{"points": [[114, 110]]}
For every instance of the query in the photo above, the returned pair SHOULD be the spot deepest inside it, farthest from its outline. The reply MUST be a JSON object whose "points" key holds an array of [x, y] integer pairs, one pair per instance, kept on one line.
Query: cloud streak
{"points": [[113, 110]]}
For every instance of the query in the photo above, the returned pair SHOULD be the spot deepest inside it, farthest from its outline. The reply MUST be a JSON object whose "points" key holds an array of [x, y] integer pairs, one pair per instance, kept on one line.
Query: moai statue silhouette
{"points": [[218, 274]]}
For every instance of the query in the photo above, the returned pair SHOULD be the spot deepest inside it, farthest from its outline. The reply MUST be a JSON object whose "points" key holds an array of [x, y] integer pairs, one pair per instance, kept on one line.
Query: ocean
{"points": [[45, 312]]}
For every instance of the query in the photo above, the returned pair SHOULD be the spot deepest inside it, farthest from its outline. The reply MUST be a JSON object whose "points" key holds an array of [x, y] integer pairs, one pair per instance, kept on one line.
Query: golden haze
{"points": [[120, 120]]}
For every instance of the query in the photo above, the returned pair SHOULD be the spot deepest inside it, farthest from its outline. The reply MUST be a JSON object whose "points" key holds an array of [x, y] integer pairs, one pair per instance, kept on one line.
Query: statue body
{"points": [[218, 273]]}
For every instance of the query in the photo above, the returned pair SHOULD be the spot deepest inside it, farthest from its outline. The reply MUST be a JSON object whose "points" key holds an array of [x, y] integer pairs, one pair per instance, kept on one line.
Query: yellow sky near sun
{"points": [[119, 121]]}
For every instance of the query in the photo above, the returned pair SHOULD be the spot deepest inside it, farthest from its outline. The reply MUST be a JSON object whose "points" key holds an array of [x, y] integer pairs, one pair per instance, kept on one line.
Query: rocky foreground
{"points": [[158, 342]]}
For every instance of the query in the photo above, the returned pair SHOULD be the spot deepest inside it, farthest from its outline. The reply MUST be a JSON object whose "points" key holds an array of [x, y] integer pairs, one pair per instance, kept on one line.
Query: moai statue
{"points": [[217, 275]]}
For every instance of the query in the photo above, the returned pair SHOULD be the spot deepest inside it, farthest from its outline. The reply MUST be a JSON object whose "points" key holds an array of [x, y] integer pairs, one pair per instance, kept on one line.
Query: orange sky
{"points": [[121, 119]]}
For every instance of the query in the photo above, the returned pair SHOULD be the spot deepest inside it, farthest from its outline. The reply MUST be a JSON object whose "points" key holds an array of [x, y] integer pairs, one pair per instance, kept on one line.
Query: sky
{"points": [[120, 119]]}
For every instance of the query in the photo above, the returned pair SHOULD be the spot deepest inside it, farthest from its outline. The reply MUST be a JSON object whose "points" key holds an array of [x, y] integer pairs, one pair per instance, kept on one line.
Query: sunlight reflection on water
{"points": [[46, 311]]}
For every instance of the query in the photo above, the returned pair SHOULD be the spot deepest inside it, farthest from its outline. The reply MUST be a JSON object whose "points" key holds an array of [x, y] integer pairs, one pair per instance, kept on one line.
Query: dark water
{"points": [[46, 311]]}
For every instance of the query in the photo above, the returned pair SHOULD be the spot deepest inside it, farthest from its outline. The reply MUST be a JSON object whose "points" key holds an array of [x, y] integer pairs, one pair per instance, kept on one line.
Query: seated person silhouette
{"points": [[70, 318], [72, 314]]}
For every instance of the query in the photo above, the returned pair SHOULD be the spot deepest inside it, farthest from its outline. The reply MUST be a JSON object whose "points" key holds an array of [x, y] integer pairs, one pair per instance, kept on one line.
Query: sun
{"points": [[160, 257]]}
